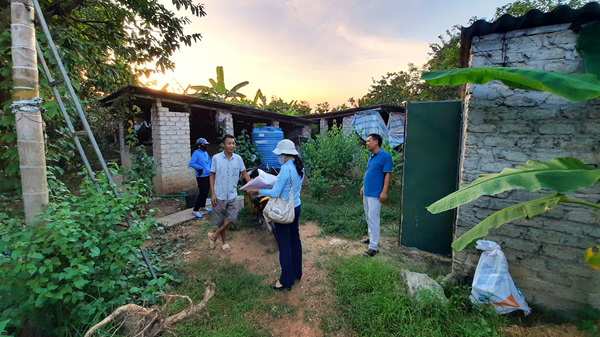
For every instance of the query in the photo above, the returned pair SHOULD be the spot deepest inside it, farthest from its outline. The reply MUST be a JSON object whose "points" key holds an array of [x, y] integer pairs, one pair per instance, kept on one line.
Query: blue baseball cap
{"points": [[202, 141]]}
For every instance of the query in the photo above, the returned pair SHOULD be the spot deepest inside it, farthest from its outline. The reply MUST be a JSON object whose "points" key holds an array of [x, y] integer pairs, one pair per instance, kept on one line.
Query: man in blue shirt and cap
{"points": [[374, 190], [200, 162]]}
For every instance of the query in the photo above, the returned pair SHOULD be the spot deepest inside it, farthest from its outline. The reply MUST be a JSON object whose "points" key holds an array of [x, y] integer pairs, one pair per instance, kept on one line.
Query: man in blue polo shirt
{"points": [[374, 190]]}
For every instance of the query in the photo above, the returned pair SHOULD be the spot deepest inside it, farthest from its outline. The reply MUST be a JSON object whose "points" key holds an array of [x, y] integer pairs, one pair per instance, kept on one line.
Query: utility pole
{"points": [[26, 107]]}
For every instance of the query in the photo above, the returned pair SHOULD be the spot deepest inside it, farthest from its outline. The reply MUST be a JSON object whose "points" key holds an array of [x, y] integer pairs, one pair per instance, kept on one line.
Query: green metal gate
{"points": [[431, 163]]}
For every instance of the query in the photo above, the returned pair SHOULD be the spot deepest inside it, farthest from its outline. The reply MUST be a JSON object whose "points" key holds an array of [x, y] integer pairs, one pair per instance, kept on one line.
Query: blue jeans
{"points": [[290, 250]]}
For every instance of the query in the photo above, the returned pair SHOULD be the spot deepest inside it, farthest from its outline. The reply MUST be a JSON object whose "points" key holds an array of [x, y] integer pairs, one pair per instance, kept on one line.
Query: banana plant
{"points": [[260, 97], [217, 89], [561, 175]]}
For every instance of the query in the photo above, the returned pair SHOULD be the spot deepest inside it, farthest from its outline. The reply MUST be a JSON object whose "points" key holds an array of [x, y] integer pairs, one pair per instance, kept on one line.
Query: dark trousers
{"points": [[290, 250], [203, 186]]}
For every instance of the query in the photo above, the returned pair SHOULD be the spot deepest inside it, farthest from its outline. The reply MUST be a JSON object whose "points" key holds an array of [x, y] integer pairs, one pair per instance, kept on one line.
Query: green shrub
{"points": [[81, 262], [247, 149], [143, 167], [332, 153], [318, 185]]}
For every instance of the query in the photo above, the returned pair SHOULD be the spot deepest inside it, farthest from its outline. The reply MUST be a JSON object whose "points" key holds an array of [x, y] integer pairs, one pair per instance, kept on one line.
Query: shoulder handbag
{"points": [[279, 210]]}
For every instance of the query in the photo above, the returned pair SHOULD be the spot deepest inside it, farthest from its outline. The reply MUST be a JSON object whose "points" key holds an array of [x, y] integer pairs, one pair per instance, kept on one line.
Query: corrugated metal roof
{"points": [[352, 111], [151, 94], [534, 18]]}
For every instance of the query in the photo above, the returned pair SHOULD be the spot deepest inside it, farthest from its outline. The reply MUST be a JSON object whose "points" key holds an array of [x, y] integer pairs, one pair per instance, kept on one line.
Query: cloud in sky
{"points": [[314, 50]]}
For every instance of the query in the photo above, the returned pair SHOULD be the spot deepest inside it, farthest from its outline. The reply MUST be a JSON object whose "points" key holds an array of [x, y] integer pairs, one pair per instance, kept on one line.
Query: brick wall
{"points": [[171, 150], [506, 127]]}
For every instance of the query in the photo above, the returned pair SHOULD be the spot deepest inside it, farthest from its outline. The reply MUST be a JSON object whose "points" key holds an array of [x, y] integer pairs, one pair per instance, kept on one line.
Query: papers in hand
{"points": [[264, 180], [256, 184]]}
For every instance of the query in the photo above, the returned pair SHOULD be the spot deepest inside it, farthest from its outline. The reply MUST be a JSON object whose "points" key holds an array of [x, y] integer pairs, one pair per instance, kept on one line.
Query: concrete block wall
{"points": [[322, 125], [506, 127], [226, 119], [306, 131], [171, 150], [347, 125]]}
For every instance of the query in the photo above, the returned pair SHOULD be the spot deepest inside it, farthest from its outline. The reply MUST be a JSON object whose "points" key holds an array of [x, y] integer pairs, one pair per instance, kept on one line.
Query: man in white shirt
{"points": [[225, 171]]}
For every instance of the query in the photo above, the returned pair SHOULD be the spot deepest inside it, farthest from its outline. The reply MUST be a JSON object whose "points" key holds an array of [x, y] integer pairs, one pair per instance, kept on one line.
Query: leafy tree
{"points": [[292, 108], [520, 7], [104, 45], [218, 91]]}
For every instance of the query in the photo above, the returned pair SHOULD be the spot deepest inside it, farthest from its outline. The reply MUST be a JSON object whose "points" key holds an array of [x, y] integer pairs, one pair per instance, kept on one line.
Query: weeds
{"points": [[373, 301], [238, 293], [343, 215]]}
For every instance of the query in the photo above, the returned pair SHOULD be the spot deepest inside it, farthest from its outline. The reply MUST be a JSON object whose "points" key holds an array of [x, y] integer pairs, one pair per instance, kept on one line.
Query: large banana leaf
{"points": [[562, 175], [525, 209], [575, 87]]}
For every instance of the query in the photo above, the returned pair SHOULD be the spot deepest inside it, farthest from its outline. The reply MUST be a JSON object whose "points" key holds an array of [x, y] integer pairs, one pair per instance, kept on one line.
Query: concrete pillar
{"points": [[347, 125], [306, 131], [123, 150], [275, 124], [226, 119], [171, 150], [322, 125]]}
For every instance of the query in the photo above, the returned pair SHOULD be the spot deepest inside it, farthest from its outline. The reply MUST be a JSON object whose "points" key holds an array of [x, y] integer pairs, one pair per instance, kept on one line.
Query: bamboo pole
{"points": [[26, 106]]}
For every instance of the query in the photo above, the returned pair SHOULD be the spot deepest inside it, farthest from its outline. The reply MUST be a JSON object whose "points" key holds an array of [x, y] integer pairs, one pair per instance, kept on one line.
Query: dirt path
{"points": [[310, 299]]}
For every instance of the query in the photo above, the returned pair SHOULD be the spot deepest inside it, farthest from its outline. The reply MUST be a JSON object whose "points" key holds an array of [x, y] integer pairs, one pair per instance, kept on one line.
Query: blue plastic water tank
{"points": [[266, 138]]}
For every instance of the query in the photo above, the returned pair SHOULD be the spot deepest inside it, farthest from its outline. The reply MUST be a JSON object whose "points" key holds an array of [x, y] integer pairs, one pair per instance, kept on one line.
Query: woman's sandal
{"points": [[275, 287]]}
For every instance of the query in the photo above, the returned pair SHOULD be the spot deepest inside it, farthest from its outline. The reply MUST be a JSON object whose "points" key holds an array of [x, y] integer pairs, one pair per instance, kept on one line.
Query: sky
{"points": [[317, 51]]}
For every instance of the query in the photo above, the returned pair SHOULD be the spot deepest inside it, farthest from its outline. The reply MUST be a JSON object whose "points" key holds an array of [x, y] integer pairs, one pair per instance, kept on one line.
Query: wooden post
{"points": [[26, 106]]}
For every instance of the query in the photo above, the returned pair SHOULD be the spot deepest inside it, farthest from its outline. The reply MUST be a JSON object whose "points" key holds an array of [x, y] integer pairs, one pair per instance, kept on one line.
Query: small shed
{"points": [[505, 127], [173, 122]]}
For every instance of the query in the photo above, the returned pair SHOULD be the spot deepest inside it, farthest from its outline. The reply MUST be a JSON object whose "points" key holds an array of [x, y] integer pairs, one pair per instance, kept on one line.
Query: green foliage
{"points": [[375, 303], [3, 325], [143, 167], [80, 262], [576, 87], [318, 185], [218, 91], [101, 56], [245, 147], [331, 152], [292, 108], [526, 209], [520, 7], [562, 175]]}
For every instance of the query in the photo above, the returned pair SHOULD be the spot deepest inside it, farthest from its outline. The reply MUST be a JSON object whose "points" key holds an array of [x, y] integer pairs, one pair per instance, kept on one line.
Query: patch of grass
{"points": [[238, 293], [343, 214], [374, 302], [278, 310], [246, 219]]}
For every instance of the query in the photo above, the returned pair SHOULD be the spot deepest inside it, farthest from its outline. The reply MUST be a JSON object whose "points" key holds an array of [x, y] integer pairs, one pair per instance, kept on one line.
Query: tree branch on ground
{"points": [[140, 321]]}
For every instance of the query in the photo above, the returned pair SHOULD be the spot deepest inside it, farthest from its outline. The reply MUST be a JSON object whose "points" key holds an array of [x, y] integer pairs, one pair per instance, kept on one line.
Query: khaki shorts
{"points": [[225, 210]]}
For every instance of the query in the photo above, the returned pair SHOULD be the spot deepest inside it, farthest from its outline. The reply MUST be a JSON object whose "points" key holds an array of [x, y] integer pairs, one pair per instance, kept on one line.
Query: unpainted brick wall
{"points": [[506, 127], [171, 150]]}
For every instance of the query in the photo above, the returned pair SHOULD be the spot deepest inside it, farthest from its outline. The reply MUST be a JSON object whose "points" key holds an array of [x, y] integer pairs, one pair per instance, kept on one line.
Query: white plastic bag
{"points": [[492, 284]]}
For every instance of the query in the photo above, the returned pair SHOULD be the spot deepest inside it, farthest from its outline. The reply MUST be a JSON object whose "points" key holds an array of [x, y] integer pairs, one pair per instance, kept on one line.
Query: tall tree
{"points": [[105, 45], [26, 106]]}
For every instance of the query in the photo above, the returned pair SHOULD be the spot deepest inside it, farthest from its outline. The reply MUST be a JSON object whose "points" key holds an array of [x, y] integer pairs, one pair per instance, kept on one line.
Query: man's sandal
{"points": [[371, 252]]}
